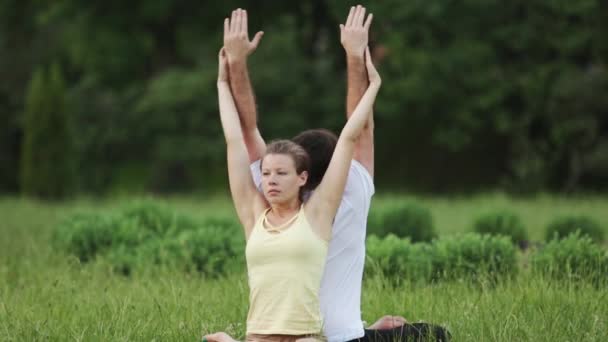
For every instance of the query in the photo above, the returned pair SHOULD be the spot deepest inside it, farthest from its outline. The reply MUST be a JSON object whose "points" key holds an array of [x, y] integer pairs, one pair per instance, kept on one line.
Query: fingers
{"points": [[368, 22], [226, 27], [244, 22], [239, 20], [360, 16], [256, 39], [356, 18], [351, 15], [400, 319], [233, 22]]}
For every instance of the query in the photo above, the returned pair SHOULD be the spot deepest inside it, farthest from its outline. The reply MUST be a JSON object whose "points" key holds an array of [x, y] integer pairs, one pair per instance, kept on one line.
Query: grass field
{"points": [[48, 296]]}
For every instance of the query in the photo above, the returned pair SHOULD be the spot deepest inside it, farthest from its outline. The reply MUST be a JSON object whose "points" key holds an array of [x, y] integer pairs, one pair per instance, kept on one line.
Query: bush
{"points": [[398, 258], [408, 220], [470, 257], [502, 223], [210, 251], [574, 258], [85, 235], [567, 225], [147, 234], [156, 219], [473, 257]]}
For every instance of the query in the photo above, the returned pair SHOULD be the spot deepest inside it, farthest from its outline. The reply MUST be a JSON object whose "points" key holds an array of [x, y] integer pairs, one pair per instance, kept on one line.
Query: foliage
{"points": [[502, 223], [146, 234], [473, 257], [470, 257], [398, 259], [574, 258], [210, 251], [85, 235], [47, 168], [567, 225], [403, 220], [478, 94]]}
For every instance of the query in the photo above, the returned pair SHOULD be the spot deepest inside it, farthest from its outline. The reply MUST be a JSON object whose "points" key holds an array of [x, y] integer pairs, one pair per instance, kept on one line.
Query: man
{"points": [[340, 293]]}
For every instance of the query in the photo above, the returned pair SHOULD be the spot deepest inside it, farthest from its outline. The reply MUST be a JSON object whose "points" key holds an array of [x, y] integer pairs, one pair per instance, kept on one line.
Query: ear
{"points": [[303, 177]]}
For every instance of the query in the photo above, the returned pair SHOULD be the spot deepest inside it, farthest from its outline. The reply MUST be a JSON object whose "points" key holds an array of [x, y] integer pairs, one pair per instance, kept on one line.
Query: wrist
{"points": [[237, 61], [355, 58]]}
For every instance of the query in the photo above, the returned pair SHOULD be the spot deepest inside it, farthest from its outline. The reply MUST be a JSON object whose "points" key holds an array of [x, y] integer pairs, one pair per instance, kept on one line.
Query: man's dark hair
{"points": [[320, 144]]}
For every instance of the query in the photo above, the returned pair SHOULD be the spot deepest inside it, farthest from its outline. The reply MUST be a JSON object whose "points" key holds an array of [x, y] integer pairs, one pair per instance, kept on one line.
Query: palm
{"points": [[236, 36], [354, 33], [354, 41]]}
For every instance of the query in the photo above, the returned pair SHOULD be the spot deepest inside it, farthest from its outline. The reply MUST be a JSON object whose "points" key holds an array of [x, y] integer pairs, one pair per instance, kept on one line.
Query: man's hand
{"points": [[354, 34], [388, 322], [236, 37]]}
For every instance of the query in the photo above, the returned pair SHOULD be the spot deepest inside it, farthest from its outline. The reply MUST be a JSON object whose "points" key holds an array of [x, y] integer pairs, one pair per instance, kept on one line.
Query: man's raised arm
{"points": [[238, 48], [354, 38]]}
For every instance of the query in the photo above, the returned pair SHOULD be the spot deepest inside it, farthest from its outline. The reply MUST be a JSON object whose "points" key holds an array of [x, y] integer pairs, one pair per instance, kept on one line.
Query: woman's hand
{"points": [[222, 74], [372, 73]]}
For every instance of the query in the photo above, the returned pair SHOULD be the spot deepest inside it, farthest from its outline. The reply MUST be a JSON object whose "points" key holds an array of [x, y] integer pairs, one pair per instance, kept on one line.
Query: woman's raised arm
{"points": [[247, 200], [326, 199]]}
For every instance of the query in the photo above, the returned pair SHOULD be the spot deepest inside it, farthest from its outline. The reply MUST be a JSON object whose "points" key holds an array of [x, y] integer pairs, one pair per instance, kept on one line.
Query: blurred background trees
{"points": [[476, 94]]}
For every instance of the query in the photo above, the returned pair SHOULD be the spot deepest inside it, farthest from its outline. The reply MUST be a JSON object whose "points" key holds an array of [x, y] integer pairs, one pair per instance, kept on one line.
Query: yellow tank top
{"points": [[285, 271]]}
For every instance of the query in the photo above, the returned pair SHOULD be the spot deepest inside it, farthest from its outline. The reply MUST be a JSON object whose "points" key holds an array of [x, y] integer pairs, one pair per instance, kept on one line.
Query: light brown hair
{"points": [[296, 152]]}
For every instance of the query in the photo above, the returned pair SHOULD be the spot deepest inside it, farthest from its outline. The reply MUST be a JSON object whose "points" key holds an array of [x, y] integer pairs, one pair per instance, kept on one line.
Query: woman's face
{"points": [[280, 181]]}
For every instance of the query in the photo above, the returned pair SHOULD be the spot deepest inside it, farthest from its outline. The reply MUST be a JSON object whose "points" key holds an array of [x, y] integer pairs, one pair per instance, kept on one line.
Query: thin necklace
{"points": [[272, 227]]}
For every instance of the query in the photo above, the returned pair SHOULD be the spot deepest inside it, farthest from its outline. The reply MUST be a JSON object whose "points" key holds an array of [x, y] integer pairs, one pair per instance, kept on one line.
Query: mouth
{"points": [[273, 192]]}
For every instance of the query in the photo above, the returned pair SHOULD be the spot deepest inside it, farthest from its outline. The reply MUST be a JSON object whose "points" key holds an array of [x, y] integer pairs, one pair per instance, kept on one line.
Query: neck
{"points": [[286, 209]]}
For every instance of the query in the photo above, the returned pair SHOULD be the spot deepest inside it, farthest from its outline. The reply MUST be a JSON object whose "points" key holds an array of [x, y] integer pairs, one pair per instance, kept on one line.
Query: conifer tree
{"points": [[47, 156]]}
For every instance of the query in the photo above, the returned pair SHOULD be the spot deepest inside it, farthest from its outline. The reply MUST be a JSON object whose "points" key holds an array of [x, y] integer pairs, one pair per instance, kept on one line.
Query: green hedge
{"points": [[398, 258], [403, 220], [147, 234], [471, 257], [502, 223], [573, 258], [567, 225]]}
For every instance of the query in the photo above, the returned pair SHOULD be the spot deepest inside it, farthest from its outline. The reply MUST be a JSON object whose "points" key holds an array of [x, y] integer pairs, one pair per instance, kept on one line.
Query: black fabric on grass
{"points": [[410, 332]]}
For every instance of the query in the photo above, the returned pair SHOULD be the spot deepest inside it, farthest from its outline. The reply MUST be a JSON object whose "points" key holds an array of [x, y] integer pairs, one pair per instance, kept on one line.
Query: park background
{"points": [[121, 97], [115, 220]]}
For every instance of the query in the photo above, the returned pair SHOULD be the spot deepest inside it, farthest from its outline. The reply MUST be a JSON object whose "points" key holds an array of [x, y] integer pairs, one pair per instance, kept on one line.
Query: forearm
{"points": [[241, 185], [228, 114], [357, 82], [245, 103], [242, 90], [360, 118]]}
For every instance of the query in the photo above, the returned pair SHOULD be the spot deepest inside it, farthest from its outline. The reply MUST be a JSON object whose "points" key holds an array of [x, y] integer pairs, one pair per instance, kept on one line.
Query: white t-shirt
{"points": [[340, 294]]}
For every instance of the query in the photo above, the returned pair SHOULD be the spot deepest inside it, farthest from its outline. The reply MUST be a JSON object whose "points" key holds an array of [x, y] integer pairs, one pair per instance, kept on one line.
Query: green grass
{"points": [[48, 296]]}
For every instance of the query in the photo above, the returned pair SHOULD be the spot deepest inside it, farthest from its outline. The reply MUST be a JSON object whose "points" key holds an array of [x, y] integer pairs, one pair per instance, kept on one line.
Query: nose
{"points": [[271, 180]]}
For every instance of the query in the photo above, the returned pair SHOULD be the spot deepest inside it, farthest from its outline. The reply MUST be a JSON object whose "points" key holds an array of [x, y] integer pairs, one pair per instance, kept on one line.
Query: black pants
{"points": [[410, 332]]}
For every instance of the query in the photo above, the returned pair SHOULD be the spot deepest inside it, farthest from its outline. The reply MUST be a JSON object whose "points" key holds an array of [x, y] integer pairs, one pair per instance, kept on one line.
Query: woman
{"points": [[286, 239]]}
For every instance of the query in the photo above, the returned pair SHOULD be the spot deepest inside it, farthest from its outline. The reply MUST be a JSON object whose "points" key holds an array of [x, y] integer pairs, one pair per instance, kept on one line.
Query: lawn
{"points": [[46, 295]]}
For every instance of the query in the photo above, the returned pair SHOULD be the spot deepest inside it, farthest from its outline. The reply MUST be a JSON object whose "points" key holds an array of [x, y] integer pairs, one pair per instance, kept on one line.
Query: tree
{"points": [[47, 169]]}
